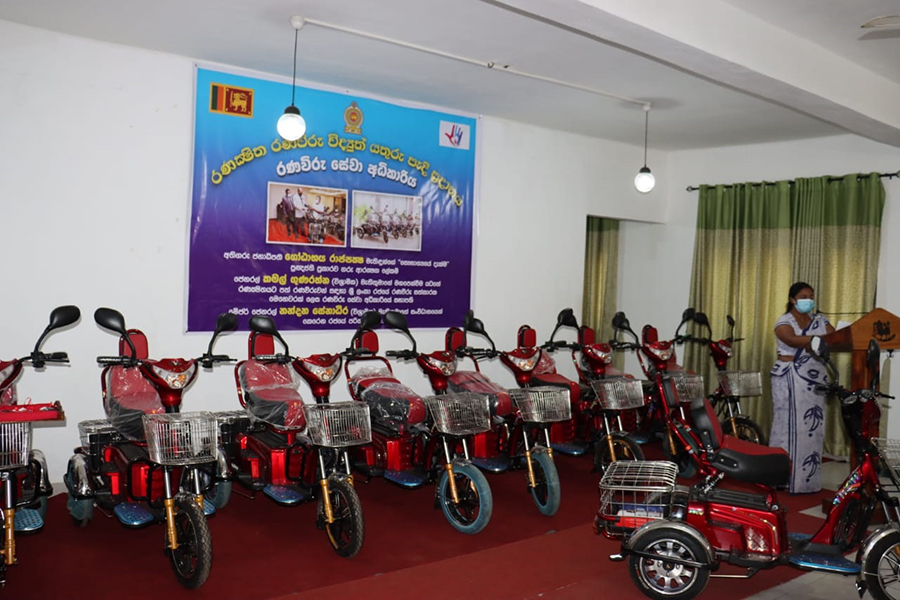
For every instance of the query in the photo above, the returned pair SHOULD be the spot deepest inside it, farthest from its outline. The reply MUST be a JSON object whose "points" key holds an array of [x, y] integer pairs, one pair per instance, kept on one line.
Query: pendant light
{"points": [[291, 126], [644, 181]]}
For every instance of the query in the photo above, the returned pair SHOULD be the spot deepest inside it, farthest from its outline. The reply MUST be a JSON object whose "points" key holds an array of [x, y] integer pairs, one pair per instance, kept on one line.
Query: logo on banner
{"points": [[353, 118], [230, 100], [454, 135]]}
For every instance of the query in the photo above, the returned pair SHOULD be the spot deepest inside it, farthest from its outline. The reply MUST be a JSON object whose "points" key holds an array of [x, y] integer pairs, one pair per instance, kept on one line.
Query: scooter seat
{"points": [[270, 394], [557, 380], [472, 381], [390, 401]]}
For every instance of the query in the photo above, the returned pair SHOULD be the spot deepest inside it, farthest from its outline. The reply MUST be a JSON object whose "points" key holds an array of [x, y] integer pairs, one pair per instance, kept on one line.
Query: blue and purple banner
{"points": [[371, 210]]}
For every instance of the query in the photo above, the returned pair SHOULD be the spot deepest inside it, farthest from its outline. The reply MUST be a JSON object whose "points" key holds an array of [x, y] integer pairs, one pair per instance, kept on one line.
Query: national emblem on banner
{"points": [[353, 117], [230, 100]]}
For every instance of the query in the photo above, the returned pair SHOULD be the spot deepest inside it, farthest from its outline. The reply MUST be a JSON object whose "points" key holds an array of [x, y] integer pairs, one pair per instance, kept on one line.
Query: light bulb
{"points": [[644, 181], [291, 126]]}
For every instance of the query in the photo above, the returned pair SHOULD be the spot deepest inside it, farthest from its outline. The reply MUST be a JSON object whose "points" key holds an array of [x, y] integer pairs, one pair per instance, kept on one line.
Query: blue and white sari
{"points": [[798, 422]]}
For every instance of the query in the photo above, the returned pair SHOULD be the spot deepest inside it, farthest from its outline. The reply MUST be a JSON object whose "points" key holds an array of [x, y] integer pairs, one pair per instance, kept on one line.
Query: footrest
{"points": [[133, 515], [408, 479], [285, 495], [209, 508], [497, 464], [570, 448], [641, 437], [824, 562], [27, 519]]}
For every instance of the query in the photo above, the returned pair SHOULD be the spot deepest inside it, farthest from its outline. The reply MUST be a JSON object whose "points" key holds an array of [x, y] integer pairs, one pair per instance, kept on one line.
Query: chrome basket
{"points": [[15, 445], [688, 386], [463, 413], [740, 383], [633, 493], [181, 438], [542, 404], [86, 429], [338, 424], [619, 393]]}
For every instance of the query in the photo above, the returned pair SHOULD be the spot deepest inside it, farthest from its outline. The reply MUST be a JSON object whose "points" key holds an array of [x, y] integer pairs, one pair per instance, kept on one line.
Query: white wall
{"points": [[655, 260], [94, 185]]}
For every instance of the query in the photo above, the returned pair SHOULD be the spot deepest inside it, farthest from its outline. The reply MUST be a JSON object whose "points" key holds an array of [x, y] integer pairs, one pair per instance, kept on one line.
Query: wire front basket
{"points": [[338, 424], [86, 429], [688, 387], [181, 438], [889, 450], [741, 383], [542, 404], [460, 414], [633, 493], [15, 445], [619, 393]]}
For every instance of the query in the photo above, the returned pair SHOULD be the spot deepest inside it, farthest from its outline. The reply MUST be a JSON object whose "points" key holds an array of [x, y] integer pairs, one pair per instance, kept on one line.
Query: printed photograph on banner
{"points": [[306, 215], [454, 135], [386, 221]]}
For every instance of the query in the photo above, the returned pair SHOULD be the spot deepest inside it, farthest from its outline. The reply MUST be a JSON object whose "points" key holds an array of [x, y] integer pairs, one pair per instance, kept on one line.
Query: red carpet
{"points": [[262, 550], [278, 233]]}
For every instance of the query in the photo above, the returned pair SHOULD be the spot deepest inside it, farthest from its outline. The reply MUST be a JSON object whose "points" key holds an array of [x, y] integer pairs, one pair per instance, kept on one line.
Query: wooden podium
{"points": [[878, 325]]}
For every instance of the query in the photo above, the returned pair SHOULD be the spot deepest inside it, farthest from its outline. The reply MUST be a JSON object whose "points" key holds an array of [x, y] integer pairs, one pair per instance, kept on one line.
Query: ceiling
{"points": [[691, 110]]}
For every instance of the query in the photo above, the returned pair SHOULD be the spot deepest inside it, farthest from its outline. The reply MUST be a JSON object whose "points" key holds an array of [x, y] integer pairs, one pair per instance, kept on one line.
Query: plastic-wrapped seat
{"points": [[499, 401], [127, 394], [270, 393], [391, 403], [544, 373]]}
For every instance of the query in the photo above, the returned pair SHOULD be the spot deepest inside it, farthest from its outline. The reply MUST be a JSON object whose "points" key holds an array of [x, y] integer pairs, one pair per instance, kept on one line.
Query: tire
{"points": [[546, 493], [192, 560], [686, 466], [662, 581], [883, 563], [42, 508], [747, 430], [625, 449], [473, 512], [219, 494], [348, 531], [360, 232], [80, 509], [385, 235]]}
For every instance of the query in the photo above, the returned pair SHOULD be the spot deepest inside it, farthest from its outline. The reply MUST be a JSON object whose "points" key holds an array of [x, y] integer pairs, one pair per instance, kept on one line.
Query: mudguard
{"points": [[864, 550], [632, 541], [78, 479], [39, 462]]}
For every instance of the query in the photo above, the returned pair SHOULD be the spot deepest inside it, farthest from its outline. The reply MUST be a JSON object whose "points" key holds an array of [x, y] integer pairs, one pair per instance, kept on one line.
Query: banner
{"points": [[371, 210]]}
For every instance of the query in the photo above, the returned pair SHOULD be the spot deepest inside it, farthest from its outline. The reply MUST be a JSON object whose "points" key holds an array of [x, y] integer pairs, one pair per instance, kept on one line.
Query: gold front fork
{"points": [[531, 481], [671, 441], [612, 447], [9, 553], [326, 501], [169, 503], [452, 481]]}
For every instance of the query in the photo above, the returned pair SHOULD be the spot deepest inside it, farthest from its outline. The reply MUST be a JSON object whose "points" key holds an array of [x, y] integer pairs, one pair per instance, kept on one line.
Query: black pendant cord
{"points": [[294, 78], [646, 127], [692, 188]]}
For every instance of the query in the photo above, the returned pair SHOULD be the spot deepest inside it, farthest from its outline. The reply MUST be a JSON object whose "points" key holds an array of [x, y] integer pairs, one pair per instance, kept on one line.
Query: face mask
{"points": [[805, 305]]}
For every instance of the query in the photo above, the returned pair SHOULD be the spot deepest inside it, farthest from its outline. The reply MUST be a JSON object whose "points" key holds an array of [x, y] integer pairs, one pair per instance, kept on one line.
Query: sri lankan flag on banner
{"points": [[230, 100]]}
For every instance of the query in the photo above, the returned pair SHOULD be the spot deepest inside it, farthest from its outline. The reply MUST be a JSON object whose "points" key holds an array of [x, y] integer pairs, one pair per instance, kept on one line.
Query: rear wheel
{"points": [[744, 429], [192, 560], [348, 530], [624, 447], [546, 493], [473, 511], [660, 577], [882, 568]]}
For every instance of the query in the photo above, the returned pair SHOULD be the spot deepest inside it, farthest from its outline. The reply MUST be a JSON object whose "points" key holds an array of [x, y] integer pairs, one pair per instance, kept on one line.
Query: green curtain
{"points": [[601, 267], [754, 240]]}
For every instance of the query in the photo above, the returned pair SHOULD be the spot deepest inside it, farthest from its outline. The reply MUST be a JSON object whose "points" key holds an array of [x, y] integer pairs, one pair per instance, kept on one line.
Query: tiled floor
{"points": [[822, 586]]}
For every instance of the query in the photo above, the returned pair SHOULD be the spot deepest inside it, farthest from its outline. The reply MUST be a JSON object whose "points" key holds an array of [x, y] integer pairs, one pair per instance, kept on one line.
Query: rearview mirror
{"points": [[370, 320], [477, 326], [396, 320], [688, 314], [819, 347], [730, 320], [62, 316], [701, 319], [226, 322], [567, 317], [263, 324], [620, 321], [111, 319]]}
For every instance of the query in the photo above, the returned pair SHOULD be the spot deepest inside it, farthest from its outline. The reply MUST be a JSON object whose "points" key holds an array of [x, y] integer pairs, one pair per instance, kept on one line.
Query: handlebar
{"points": [[118, 360], [279, 358], [209, 360], [349, 352], [848, 397], [617, 345], [401, 354], [477, 352], [551, 346], [39, 359]]}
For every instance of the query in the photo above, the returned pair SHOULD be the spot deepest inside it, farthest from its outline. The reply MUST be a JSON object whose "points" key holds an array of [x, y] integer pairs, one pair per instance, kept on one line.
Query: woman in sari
{"points": [[798, 422]]}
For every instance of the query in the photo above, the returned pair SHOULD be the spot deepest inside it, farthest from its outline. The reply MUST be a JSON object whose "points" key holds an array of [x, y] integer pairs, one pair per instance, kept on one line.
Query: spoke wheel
{"points": [[660, 577], [192, 560], [882, 568], [473, 511], [348, 530], [546, 493], [624, 447], [746, 429]]}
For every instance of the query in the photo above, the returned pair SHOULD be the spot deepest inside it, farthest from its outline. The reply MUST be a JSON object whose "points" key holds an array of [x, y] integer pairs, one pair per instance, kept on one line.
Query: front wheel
{"points": [[192, 560], [686, 466], [624, 447], [473, 511], [80, 509], [546, 492], [661, 578], [347, 531], [219, 494], [744, 429], [882, 568]]}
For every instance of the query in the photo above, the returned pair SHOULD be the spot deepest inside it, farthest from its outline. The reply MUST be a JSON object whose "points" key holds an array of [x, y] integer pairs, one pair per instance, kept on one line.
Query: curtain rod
{"points": [[691, 188]]}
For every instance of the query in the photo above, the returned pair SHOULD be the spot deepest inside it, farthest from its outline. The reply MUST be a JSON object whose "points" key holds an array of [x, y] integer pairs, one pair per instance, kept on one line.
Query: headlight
{"points": [[174, 380], [323, 373], [725, 347], [447, 367], [660, 353], [524, 364], [598, 354]]}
